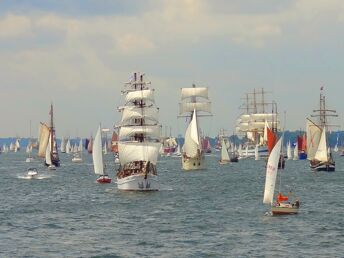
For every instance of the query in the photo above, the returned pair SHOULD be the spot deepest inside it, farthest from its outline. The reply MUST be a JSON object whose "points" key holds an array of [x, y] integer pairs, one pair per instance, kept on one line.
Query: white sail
{"points": [[256, 153], [105, 148], [68, 147], [128, 131], [133, 112], [224, 152], [296, 152], [271, 172], [194, 92], [140, 95], [80, 146], [322, 152], [240, 150], [191, 145], [289, 155], [97, 153], [43, 139], [48, 152], [244, 118], [63, 145], [177, 152], [27, 148], [313, 138], [263, 117], [138, 151], [17, 144], [190, 106]]}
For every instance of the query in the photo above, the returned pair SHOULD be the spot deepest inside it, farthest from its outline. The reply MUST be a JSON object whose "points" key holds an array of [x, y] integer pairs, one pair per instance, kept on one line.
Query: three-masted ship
{"points": [[318, 150], [139, 134], [255, 121], [47, 143], [194, 100]]}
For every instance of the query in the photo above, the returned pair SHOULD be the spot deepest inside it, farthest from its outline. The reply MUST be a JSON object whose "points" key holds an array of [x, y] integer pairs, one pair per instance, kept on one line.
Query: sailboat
{"points": [[68, 146], [193, 155], [63, 145], [224, 153], [77, 155], [336, 146], [90, 145], [47, 140], [289, 155], [256, 152], [29, 148], [296, 152], [319, 151], [139, 134], [98, 161], [282, 205]]}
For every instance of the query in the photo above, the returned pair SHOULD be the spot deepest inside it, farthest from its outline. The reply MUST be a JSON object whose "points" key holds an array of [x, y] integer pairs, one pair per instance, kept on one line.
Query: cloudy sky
{"points": [[79, 53]]}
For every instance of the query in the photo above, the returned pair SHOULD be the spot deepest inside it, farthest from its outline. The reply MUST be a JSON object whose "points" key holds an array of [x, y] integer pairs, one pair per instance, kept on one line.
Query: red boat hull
{"points": [[104, 180]]}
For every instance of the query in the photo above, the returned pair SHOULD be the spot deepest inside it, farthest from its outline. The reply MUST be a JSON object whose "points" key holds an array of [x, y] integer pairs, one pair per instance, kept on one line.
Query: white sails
{"points": [[289, 155], [138, 151], [224, 152], [313, 138], [192, 145], [130, 131], [133, 112], [136, 95], [296, 152], [48, 152], [322, 153], [97, 153], [271, 172], [43, 140]]}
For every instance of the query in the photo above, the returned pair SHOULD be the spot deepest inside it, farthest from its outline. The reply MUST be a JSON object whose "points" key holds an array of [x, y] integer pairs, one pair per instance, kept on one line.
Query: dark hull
{"points": [[302, 155], [324, 166], [56, 163]]}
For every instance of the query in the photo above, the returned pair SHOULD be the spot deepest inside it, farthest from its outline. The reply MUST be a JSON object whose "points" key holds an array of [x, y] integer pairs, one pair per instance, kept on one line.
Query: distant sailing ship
{"points": [[319, 151], [139, 135], [47, 143], [193, 155], [254, 121]]}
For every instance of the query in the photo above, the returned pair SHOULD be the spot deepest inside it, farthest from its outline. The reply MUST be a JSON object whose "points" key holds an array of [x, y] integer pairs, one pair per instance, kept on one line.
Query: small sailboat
{"points": [[47, 139], [77, 155], [335, 149], [224, 153], [98, 161], [296, 152], [281, 206], [29, 148], [289, 155], [90, 145], [68, 147]]}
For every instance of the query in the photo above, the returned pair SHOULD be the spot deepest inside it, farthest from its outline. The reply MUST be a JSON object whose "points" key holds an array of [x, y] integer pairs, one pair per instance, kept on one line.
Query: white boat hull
{"points": [[76, 160], [196, 163], [138, 183], [29, 159]]}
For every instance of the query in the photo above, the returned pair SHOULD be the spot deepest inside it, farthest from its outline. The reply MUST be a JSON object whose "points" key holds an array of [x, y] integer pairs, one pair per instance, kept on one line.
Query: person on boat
{"points": [[281, 198]]}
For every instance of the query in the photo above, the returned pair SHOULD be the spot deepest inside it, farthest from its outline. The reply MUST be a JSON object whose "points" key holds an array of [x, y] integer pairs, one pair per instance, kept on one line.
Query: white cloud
{"points": [[15, 26]]}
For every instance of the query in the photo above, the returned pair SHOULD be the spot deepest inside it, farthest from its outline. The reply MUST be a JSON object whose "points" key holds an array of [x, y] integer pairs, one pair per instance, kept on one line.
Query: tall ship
{"points": [[259, 115], [194, 100], [139, 134], [47, 142], [319, 152]]}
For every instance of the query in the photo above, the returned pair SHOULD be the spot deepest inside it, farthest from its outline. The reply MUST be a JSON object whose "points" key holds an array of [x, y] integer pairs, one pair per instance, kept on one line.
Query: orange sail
{"points": [[271, 139]]}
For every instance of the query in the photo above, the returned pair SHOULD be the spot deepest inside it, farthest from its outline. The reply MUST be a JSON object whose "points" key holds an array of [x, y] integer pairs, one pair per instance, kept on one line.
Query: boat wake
{"points": [[39, 177]]}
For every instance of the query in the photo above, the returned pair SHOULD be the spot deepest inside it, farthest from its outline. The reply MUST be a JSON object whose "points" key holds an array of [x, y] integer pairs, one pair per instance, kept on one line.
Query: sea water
{"points": [[216, 212]]}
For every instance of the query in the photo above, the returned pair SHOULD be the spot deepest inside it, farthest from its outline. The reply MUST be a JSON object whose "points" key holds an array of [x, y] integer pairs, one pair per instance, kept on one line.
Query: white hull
{"points": [[52, 167], [29, 159], [76, 160], [138, 183], [193, 163]]}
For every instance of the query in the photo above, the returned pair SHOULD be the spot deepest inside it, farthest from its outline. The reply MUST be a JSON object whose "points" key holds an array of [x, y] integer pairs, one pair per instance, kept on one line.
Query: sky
{"points": [[78, 54]]}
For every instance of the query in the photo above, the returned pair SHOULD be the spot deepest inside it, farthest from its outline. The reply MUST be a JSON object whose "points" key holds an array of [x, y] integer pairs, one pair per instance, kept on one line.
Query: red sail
{"points": [[271, 139], [304, 142], [299, 142]]}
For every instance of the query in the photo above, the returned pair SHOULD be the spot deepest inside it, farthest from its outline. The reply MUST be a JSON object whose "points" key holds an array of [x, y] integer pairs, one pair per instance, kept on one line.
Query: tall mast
{"points": [[51, 128]]}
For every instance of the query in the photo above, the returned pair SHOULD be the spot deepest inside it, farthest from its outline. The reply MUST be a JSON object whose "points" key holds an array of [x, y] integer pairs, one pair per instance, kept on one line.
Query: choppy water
{"points": [[213, 213]]}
